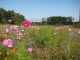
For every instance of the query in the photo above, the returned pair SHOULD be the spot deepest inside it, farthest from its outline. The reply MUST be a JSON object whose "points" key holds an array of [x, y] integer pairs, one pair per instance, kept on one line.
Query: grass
{"points": [[46, 42]]}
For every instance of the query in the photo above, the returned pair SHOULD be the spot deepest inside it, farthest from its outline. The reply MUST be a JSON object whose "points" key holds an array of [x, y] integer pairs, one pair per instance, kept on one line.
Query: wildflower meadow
{"points": [[26, 42]]}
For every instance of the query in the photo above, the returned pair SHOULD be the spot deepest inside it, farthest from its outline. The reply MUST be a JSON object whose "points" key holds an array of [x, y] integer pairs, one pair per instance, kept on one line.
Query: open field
{"points": [[41, 43]]}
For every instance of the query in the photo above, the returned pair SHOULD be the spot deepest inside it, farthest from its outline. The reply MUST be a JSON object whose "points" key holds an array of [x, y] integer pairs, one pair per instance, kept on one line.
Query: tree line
{"points": [[5, 15], [17, 18], [58, 20]]}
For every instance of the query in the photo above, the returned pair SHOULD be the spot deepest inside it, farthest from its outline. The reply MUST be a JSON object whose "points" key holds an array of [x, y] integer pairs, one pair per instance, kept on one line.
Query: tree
{"points": [[70, 20], [43, 20], [10, 14], [2, 15], [60, 20]]}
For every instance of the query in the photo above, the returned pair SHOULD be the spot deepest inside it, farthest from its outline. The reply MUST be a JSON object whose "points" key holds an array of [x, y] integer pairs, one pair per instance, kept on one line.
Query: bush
{"points": [[76, 25]]}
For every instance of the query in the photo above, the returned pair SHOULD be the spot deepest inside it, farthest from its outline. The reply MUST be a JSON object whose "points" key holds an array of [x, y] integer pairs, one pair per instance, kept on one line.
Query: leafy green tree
{"points": [[43, 20], [10, 14], [60, 20]]}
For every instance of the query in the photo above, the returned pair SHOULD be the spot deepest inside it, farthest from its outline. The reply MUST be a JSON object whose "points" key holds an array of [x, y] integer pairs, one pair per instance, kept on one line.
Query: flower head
{"points": [[0, 53], [19, 35], [78, 31], [13, 50], [16, 47], [8, 43], [7, 53], [29, 49], [7, 30], [0, 39], [9, 21], [37, 28], [69, 29], [57, 28], [6, 58], [26, 23], [4, 36], [22, 30], [16, 29]]}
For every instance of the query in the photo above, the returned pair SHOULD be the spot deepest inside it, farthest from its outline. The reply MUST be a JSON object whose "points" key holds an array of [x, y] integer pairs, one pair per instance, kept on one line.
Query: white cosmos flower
{"points": [[11, 27], [22, 30], [37, 28], [70, 29]]}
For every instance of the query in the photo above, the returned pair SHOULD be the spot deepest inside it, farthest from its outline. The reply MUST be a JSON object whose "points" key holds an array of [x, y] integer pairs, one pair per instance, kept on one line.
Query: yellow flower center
{"points": [[25, 24]]}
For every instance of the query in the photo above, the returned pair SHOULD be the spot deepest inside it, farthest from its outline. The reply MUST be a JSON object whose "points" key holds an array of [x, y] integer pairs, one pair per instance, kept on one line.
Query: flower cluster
{"points": [[7, 42]]}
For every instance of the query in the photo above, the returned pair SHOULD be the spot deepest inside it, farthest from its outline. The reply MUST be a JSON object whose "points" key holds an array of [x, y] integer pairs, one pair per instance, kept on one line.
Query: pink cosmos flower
{"points": [[7, 30], [57, 28], [19, 35], [29, 49], [78, 31], [8, 43], [9, 21], [26, 23], [16, 29]]}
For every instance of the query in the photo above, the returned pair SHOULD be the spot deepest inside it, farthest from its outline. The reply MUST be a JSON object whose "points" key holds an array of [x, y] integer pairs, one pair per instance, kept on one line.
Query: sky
{"points": [[35, 10]]}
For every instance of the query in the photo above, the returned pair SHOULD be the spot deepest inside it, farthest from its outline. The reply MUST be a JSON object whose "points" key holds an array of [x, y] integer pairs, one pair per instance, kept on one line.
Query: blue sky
{"points": [[35, 10]]}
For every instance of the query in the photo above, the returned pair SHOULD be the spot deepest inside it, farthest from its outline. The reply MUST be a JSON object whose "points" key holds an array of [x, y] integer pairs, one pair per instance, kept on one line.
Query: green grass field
{"points": [[47, 43]]}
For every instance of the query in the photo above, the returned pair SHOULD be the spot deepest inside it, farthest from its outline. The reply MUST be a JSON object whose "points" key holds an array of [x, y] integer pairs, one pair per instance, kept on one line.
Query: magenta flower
{"points": [[26, 23], [19, 35], [57, 28], [29, 49], [9, 21], [8, 43], [7, 30]]}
